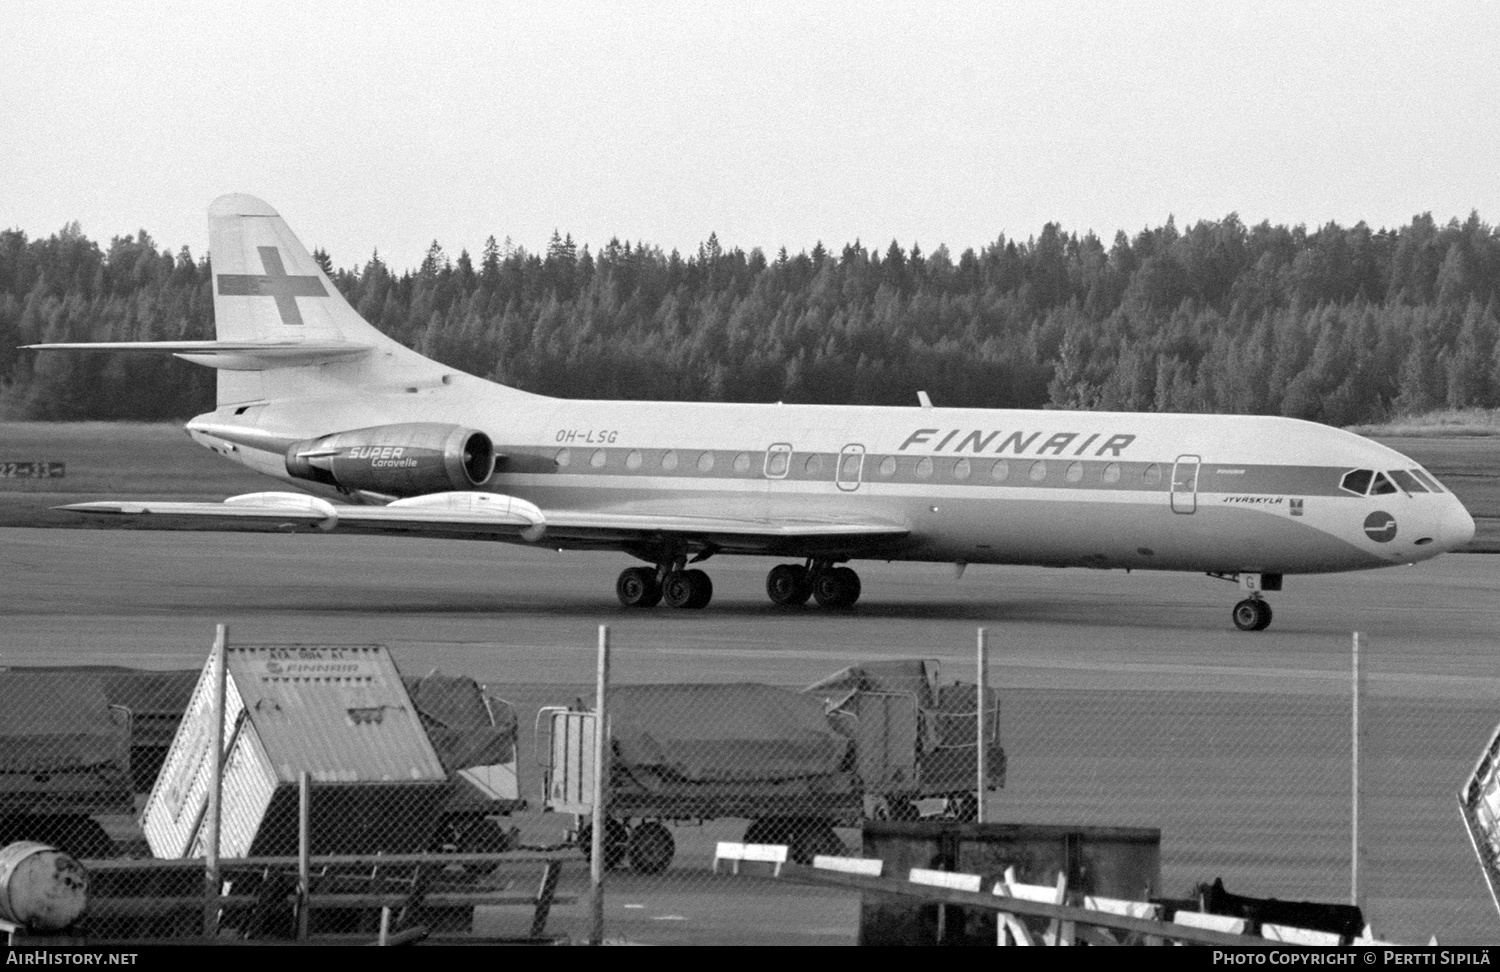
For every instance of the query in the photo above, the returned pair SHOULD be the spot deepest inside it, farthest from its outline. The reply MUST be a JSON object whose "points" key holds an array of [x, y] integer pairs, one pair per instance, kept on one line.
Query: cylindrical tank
{"points": [[41, 887]]}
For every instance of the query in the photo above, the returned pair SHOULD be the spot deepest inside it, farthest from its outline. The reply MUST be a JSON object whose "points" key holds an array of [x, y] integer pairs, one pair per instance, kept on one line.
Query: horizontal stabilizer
{"points": [[228, 355]]}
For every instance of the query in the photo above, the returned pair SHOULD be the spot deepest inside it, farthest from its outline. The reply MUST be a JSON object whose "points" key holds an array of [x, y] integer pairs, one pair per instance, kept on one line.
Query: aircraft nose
{"points": [[1457, 527]]}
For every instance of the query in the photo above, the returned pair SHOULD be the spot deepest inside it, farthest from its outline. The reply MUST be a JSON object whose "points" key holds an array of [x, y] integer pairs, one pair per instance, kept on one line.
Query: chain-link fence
{"points": [[310, 790], [431, 801], [1248, 778]]}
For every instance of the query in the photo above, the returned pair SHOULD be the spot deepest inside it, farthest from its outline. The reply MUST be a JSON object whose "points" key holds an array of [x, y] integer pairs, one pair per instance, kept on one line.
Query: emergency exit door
{"points": [[851, 466], [1185, 484]]}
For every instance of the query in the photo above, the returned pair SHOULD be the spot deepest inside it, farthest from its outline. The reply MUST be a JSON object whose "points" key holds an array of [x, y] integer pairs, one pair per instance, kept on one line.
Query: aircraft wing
{"points": [[475, 515]]}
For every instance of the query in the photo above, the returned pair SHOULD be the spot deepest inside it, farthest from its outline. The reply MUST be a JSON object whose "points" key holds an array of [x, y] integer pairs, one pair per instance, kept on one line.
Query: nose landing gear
{"points": [[1252, 614]]}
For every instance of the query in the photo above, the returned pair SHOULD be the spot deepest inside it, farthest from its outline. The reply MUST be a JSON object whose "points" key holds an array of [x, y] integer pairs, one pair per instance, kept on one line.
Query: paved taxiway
{"points": [[1129, 699]]}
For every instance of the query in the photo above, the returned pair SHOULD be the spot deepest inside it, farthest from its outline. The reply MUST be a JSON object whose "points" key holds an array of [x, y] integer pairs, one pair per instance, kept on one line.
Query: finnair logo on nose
{"points": [[1380, 526]]}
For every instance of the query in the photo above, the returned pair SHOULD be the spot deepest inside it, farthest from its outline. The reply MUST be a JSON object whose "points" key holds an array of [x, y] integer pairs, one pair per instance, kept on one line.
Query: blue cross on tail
{"points": [[275, 283]]}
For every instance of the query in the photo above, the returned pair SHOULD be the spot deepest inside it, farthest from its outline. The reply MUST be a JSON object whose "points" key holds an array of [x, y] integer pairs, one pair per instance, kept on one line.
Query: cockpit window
{"points": [[1383, 486], [1427, 480], [1407, 481], [1357, 482]]}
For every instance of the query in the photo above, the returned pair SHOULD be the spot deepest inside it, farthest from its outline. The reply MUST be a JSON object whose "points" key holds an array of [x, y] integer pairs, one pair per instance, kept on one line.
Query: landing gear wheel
{"points": [[616, 841], [1252, 614], [837, 587], [637, 587], [788, 585], [687, 589], [651, 848]]}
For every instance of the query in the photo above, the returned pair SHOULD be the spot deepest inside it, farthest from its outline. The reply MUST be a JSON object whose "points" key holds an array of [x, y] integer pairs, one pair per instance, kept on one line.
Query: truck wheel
{"points": [[902, 809], [811, 837], [764, 830], [616, 842], [651, 848]]}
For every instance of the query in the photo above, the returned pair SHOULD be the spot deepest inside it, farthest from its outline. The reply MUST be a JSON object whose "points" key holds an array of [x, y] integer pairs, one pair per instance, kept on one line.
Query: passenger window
{"points": [[706, 462], [1407, 481], [742, 462], [563, 458], [1151, 475], [1075, 472], [598, 459], [888, 467], [1038, 471], [924, 467], [1357, 482], [1000, 471], [1383, 486], [961, 469], [776, 468], [669, 460], [813, 465], [633, 461], [1112, 473]]}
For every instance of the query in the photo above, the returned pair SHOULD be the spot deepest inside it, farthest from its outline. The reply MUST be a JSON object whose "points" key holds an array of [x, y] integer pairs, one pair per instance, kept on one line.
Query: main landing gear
{"points": [[790, 585], [1253, 613], [648, 586]]}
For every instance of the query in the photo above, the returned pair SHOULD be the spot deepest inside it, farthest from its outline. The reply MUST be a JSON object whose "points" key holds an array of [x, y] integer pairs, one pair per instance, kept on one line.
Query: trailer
{"points": [[883, 740], [64, 760], [474, 734]]}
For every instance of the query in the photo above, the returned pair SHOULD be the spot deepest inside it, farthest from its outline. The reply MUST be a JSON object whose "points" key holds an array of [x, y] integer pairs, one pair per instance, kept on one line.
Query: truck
{"points": [[82, 745], [474, 733], [77, 745], [878, 740]]}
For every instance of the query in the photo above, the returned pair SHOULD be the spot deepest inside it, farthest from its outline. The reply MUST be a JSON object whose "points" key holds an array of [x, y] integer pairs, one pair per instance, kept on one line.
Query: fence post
{"points": [[304, 851], [981, 752], [211, 882], [598, 848], [1354, 693]]}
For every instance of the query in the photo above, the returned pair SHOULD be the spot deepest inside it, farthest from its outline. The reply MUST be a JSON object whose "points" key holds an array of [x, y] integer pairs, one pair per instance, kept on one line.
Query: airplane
{"points": [[381, 440]]}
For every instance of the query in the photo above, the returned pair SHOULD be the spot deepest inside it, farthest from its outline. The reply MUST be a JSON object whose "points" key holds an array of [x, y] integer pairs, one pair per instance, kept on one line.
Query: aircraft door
{"points": [[778, 460], [851, 465], [1185, 484]]}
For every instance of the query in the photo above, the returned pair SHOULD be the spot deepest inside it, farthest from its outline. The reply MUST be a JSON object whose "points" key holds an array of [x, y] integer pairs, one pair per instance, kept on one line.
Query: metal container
{"points": [[1115, 862], [340, 713], [41, 887]]}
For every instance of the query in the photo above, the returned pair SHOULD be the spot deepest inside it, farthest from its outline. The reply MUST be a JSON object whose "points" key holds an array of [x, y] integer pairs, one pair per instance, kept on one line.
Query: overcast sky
{"points": [[388, 125]]}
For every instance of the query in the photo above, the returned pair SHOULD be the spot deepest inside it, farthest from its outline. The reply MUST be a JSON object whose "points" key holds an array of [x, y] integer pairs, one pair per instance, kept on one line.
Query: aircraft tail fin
{"points": [[282, 329], [269, 291]]}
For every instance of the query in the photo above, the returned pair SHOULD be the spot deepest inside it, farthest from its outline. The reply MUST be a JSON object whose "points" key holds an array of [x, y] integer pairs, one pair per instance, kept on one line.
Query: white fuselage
{"points": [[1211, 493]]}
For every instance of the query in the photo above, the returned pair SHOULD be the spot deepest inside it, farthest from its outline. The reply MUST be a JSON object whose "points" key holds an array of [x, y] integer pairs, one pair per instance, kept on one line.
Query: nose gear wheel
{"points": [[1252, 614]]}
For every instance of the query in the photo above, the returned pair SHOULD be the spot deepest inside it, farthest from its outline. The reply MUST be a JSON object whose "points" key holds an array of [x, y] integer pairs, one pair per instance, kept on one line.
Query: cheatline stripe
{"points": [[975, 472]]}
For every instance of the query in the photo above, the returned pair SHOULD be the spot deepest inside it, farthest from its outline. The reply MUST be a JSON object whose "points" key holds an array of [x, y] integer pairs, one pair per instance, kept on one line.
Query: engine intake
{"points": [[409, 459]]}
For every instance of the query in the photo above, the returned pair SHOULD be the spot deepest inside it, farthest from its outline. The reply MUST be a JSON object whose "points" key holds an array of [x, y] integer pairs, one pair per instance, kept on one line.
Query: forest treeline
{"points": [[1340, 325]]}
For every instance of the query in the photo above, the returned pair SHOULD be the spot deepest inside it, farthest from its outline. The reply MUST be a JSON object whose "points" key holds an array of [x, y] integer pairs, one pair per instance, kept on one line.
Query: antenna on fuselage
{"points": [[923, 400]]}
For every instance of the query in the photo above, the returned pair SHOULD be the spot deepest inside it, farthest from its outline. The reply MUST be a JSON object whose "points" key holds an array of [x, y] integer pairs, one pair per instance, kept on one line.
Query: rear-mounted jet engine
{"points": [[410, 459]]}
